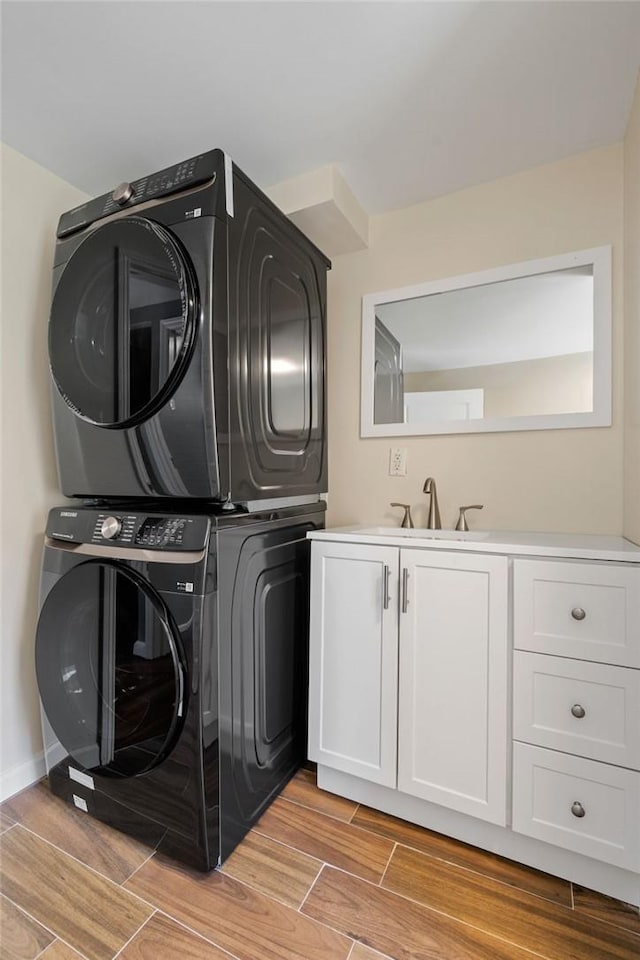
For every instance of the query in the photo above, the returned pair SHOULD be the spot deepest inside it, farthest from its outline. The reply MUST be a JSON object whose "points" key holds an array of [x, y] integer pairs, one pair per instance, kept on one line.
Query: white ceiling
{"points": [[411, 99]]}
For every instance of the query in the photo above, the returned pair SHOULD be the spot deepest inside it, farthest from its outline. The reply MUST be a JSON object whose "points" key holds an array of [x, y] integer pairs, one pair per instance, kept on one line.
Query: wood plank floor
{"points": [[319, 878], [21, 937]]}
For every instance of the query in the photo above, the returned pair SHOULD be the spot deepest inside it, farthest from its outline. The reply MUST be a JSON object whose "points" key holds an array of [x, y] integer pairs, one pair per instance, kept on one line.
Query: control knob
{"points": [[122, 193], [110, 528]]}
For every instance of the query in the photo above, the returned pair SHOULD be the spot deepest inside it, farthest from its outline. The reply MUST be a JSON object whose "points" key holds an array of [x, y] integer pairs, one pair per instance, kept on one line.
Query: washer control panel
{"points": [[111, 527], [161, 531], [115, 528]]}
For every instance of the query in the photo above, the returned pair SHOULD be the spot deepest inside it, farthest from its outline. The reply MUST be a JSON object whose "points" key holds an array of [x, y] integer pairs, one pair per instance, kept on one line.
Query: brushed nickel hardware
{"points": [[407, 520], [578, 711], [577, 809], [122, 193], [386, 575], [578, 613], [433, 522], [110, 528], [462, 519], [405, 590]]}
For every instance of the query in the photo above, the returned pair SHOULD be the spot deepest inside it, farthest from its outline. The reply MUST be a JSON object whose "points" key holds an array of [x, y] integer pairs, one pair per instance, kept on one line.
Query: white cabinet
{"points": [[409, 647], [452, 730], [353, 659], [486, 688]]}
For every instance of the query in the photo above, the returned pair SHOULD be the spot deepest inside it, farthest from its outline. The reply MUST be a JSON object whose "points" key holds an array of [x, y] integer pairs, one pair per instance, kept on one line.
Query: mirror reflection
{"points": [[515, 348]]}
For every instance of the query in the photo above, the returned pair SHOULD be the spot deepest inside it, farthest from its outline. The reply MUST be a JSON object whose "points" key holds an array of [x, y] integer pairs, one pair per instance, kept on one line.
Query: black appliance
{"points": [[187, 342], [171, 658]]}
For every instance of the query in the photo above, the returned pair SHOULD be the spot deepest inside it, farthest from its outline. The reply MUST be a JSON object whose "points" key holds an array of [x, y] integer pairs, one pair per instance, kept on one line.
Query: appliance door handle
{"points": [[405, 589], [386, 575]]}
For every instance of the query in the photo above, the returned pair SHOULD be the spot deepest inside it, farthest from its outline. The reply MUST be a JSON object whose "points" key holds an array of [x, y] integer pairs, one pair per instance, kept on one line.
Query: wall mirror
{"points": [[521, 347]]}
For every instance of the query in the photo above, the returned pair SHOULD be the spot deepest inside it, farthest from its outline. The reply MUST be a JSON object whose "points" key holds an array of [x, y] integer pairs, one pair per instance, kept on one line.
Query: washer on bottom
{"points": [[171, 656]]}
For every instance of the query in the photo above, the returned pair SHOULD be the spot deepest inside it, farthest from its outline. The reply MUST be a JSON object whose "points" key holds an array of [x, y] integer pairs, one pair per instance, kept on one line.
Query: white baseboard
{"points": [[20, 776]]}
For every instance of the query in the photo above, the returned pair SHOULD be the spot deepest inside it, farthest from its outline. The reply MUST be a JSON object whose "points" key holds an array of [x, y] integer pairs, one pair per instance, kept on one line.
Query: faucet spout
{"points": [[433, 522]]}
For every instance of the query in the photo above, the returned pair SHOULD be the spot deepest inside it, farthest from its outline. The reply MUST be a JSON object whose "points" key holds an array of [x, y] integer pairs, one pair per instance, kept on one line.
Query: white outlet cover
{"points": [[398, 462]]}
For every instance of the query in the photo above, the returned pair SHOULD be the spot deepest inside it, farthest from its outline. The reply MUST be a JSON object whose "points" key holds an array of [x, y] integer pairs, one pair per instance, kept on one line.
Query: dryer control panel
{"points": [[182, 176], [149, 531]]}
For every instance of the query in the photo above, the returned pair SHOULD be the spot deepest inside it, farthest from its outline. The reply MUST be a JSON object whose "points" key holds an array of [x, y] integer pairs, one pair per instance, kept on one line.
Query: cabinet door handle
{"points": [[577, 809], [578, 613], [386, 574], [578, 711], [405, 590]]}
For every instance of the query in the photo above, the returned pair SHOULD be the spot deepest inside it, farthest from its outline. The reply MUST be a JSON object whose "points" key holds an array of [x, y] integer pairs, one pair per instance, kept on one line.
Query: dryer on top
{"points": [[187, 342]]}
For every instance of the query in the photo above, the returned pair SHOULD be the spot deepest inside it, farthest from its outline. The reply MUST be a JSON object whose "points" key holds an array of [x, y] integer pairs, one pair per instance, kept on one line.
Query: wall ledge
{"points": [[323, 206]]}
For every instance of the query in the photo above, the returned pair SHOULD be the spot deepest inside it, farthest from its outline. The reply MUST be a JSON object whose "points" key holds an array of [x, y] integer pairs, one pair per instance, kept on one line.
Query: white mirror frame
{"points": [[600, 416]]}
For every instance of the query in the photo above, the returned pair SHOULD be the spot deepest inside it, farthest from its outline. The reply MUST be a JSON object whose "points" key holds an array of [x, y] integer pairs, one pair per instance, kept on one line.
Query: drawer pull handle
{"points": [[578, 810], [578, 613], [578, 711]]}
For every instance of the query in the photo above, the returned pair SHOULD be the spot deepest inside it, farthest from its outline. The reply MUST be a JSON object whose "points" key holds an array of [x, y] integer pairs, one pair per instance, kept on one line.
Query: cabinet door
{"points": [[354, 659], [452, 736]]}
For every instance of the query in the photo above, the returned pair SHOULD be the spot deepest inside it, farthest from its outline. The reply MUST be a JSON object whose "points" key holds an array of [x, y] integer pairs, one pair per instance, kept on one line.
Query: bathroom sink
{"points": [[423, 533]]}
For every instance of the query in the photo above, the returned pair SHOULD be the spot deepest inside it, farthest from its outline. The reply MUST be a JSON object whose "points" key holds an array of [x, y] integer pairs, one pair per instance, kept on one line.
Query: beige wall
{"points": [[520, 389], [32, 199], [563, 480], [632, 322]]}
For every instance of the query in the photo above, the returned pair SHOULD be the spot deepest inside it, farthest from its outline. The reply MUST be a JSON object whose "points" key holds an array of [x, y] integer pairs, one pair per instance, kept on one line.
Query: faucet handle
{"points": [[406, 520], [462, 519]]}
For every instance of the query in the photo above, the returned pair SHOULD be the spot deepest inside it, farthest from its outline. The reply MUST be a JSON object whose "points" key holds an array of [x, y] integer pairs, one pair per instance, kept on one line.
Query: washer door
{"points": [[109, 669], [123, 322]]}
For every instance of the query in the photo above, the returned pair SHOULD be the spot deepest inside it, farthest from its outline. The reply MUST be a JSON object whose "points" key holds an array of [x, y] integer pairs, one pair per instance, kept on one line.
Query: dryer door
{"points": [[123, 322], [110, 669]]}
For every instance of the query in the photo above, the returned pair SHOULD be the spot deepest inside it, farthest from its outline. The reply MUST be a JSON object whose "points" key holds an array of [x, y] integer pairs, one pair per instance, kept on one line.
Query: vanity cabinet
{"points": [[487, 687], [409, 648]]}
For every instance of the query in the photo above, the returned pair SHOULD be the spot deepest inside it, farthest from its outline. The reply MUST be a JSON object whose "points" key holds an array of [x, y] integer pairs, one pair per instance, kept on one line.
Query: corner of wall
{"points": [[32, 200], [631, 523]]}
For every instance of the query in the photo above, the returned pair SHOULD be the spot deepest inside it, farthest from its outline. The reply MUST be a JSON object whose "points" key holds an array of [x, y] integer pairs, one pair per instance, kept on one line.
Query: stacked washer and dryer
{"points": [[187, 354]]}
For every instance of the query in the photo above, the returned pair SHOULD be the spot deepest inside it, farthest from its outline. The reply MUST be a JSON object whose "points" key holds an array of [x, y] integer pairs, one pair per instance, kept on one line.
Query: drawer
{"points": [[582, 805], [590, 611], [589, 709]]}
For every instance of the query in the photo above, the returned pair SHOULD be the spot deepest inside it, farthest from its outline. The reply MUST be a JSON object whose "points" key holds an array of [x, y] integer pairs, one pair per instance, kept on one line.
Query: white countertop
{"points": [[573, 546]]}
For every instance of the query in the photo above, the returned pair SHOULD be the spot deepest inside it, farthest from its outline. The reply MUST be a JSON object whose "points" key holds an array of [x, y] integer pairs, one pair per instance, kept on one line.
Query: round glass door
{"points": [[122, 322], [109, 669]]}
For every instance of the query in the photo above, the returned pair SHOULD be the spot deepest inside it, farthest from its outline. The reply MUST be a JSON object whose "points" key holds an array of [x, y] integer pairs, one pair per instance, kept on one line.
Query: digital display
{"points": [[159, 531]]}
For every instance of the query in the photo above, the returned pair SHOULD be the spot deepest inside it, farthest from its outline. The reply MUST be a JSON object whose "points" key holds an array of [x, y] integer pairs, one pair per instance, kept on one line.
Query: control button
{"points": [[122, 193], [110, 528]]}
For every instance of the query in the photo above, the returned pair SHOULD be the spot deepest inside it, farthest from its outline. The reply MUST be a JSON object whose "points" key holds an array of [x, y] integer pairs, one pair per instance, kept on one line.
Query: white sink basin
{"points": [[423, 533]]}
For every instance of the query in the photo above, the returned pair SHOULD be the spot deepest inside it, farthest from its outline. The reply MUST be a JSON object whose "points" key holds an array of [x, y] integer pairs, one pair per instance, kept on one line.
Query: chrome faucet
{"points": [[433, 522]]}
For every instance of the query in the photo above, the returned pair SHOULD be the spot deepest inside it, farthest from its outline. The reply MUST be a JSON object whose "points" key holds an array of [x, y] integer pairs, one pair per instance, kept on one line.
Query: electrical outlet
{"points": [[398, 462]]}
